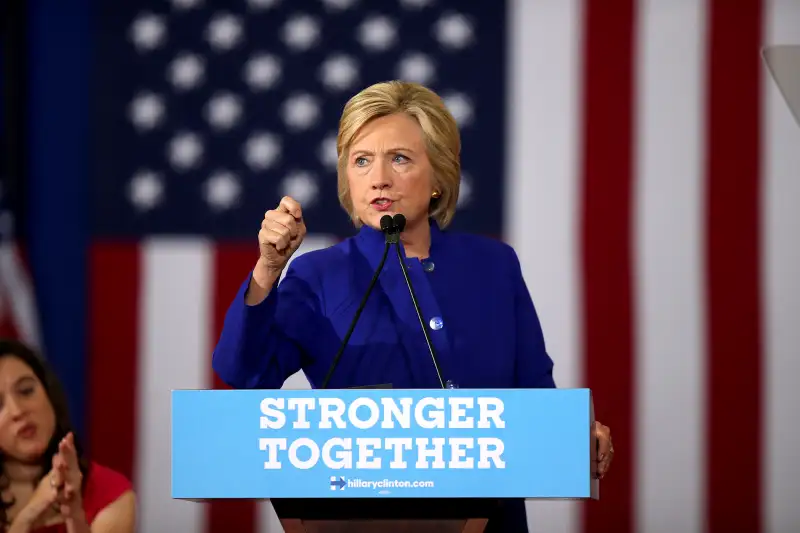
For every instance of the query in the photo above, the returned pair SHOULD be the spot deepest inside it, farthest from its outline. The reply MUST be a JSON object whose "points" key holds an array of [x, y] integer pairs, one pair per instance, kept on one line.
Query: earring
{"points": [[436, 194]]}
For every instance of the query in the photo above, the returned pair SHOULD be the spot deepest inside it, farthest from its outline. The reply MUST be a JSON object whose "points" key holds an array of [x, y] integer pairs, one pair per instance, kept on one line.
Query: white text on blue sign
{"points": [[364, 415]]}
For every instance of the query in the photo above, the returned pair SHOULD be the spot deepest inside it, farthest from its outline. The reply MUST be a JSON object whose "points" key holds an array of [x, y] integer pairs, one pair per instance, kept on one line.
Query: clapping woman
{"points": [[47, 485]]}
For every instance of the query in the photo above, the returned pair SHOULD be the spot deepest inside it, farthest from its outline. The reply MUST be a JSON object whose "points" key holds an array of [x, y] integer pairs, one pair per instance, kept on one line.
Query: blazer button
{"points": [[436, 323], [428, 265]]}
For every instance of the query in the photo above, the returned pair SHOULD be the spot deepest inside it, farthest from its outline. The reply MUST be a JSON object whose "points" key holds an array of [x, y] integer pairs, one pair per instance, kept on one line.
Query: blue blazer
{"points": [[479, 314], [475, 303]]}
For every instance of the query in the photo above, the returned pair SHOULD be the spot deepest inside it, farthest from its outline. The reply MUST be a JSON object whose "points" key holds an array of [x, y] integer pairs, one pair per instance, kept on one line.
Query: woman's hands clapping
{"points": [[39, 507], [68, 473], [59, 492]]}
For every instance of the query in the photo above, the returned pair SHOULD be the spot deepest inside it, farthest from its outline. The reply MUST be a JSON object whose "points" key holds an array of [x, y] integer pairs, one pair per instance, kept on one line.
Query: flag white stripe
{"points": [[175, 322], [781, 265], [542, 190], [668, 228], [17, 298]]}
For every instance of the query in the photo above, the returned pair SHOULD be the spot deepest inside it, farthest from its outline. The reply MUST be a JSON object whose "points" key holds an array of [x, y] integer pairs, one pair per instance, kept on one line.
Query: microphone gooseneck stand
{"points": [[399, 222], [387, 227]]}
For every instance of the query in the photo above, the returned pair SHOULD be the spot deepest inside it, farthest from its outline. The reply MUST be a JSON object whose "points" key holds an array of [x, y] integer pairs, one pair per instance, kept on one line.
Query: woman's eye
{"points": [[400, 158], [361, 161]]}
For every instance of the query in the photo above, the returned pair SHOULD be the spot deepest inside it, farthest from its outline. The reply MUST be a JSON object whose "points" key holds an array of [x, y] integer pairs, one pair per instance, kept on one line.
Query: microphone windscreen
{"points": [[386, 223], [399, 222]]}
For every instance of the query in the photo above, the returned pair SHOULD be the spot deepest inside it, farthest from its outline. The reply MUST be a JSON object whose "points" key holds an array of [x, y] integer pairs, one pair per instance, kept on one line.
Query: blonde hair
{"points": [[440, 132]]}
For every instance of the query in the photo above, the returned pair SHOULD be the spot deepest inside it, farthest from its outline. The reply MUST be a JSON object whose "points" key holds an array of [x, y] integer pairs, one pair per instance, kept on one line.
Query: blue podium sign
{"points": [[361, 443]]}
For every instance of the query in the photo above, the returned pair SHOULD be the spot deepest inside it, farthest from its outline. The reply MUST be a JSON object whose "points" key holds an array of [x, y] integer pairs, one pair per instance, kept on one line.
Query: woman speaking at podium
{"points": [[398, 162]]}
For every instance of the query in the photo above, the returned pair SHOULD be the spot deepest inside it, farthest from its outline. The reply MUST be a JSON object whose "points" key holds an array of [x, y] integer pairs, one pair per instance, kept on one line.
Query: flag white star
{"points": [[300, 111], [223, 110], [185, 151], [186, 71], [460, 107], [146, 111], [148, 32], [261, 151], [301, 32], [464, 192], [453, 31], [301, 186], [224, 31], [146, 190], [262, 72], [222, 190], [377, 33], [339, 72], [417, 68], [327, 151]]}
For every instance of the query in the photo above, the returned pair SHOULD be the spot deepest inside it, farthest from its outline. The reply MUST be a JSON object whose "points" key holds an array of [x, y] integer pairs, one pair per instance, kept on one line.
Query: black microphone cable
{"points": [[387, 227], [399, 223]]}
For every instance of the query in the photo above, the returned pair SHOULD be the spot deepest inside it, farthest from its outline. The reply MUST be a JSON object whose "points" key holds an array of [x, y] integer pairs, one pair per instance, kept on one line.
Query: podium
{"points": [[388, 460]]}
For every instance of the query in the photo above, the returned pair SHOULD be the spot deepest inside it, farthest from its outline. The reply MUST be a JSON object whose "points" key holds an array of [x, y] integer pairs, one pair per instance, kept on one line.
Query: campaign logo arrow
{"points": [[337, 482]]}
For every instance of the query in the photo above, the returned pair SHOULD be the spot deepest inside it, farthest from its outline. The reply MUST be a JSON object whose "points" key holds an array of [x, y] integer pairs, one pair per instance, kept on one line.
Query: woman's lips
{"points": [[382, 204], [28, 431]]}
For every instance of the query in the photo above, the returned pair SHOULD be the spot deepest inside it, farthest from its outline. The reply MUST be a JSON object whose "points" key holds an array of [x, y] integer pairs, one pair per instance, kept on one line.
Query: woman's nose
{"points": [[381, 176], [14, 408]]}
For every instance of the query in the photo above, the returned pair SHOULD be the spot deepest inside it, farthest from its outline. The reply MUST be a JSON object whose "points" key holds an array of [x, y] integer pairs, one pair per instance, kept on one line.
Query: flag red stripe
{"points": [[8, 327], [114, 277], [733, 273], [232, 263], [606, 245]]}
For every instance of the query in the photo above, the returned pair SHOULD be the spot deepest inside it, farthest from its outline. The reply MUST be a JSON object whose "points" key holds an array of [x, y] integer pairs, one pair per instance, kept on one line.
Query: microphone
{"points": [[387, 227], [399, 222]]}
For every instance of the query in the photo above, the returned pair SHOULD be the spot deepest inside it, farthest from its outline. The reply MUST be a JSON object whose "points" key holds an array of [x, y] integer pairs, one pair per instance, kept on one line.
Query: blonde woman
{"points": [[398, 153]]}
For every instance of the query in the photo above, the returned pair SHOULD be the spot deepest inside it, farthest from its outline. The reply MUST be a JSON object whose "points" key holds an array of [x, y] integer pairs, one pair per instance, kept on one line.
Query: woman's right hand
{"points": [[282, 232], [43, 500]]}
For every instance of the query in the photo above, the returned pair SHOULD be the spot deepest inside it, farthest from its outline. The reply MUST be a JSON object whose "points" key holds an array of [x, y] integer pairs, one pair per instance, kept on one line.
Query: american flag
{"points": [[207, 115], [635, 153]]}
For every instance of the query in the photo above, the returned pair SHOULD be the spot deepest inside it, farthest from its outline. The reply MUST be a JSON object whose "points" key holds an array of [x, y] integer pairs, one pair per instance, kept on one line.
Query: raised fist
{"points": [[282, 232]]}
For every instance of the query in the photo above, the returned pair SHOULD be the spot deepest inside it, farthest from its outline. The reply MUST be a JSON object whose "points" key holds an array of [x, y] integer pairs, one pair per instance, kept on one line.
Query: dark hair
{"points": [[55, 393]]}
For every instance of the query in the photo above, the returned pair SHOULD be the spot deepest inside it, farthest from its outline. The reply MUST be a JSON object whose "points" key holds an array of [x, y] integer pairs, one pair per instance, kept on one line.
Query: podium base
{"points": [[389, 515], [473, 525]]}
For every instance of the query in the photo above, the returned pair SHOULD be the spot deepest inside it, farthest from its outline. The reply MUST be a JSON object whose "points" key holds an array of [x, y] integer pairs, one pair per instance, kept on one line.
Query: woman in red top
{"points": [[46, 483]]}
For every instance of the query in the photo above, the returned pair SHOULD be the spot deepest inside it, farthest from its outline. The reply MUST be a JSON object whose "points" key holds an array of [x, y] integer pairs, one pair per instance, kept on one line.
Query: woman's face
{"points": [[27, 418], [388, 171]]}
